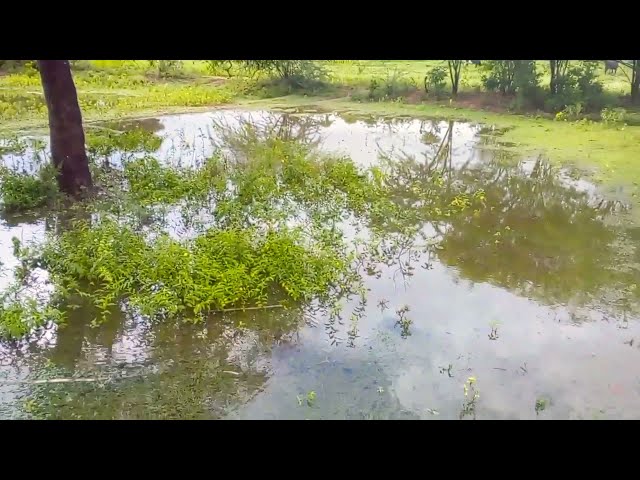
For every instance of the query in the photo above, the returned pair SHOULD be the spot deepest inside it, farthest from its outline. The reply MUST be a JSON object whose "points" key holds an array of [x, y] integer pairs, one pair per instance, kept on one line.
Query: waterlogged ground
{"points": [[533, 297]]}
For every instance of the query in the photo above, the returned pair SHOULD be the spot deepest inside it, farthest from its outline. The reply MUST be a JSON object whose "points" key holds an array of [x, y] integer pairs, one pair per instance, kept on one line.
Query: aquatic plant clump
{"points": [[109, 263], [266, 225], [167, 277], [20, 191], [252, 255]]}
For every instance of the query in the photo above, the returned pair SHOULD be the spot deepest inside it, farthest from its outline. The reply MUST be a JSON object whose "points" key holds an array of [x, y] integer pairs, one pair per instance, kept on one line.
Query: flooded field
{"points": [[525, 308]]}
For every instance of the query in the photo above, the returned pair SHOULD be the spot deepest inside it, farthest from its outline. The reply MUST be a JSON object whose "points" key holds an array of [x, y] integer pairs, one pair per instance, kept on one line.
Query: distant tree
{"points": [[65, 126], [455, 72], [295, 73], [558, 73], [510, 76]]}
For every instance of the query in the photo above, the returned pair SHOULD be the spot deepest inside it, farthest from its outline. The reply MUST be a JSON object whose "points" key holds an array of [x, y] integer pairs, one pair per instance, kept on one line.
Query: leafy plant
{"points": [[403, 321], [20, 190], [291, 75], [578, 84], [471, 397], [514, 77], [435, 81], [166, 67], [570, 113], [103, 143], [541, 405]]}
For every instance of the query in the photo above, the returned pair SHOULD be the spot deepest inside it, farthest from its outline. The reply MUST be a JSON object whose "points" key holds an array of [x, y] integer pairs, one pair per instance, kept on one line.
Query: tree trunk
{"points": [[635, 81], [553, 64], [65, 127]]}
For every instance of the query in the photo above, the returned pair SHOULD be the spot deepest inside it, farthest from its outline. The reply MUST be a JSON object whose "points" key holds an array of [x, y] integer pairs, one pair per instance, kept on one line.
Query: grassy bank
{"points": [[108, 92], [122, 89], [613, 153]]}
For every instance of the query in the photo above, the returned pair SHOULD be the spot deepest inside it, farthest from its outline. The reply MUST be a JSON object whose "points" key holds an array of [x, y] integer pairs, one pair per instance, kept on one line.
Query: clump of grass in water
{"points": [[103, 143], [541, 405], [493, 335], [404, 322], [31, 182], [239, 265], [22, 191], [310, 398], [166, 277]]}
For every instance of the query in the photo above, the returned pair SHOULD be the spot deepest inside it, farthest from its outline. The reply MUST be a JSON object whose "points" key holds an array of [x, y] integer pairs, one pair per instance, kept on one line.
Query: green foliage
{"points": [[514, 77], [509, 76], [151, 182], [541, 405], [103, 143], [166, 67], [394, 86], [471, 397], [578, 85], [215, 66], [570, 113], [18, 317], [23, 308], [266, 227], [101, 94], [16, 65], [20, 190], [288, 75], [165, 278], [435, 82]]}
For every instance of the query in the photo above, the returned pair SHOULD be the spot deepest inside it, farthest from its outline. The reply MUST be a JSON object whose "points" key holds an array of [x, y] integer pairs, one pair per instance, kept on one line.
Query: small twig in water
{"points": [[242, 309]]}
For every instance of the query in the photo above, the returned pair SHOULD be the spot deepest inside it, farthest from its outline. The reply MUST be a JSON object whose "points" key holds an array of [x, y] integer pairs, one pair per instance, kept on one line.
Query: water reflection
{"points": [[544, 252]]}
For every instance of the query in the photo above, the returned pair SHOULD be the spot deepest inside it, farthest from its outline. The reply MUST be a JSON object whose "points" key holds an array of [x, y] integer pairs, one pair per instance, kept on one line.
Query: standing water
{"points": [[524, 309]]}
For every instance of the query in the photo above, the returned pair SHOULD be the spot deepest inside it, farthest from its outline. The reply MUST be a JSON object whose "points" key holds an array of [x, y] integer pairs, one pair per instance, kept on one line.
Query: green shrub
{"points": [[435, 82], [579, 85], [287, 76], [395, 86]]}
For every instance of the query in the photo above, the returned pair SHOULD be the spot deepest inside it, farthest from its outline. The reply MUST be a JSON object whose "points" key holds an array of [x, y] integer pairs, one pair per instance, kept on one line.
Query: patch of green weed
{"points": [[21, 190]]}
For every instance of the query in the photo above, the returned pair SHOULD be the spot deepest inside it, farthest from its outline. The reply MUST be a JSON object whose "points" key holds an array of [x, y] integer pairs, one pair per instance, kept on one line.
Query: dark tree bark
{"points": [[65, 127], [635, 81], [634, 66]]}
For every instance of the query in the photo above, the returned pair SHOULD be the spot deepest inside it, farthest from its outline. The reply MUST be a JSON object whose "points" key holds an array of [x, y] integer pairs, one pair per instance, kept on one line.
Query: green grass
{"points": [[106, 93], [359, 72]]}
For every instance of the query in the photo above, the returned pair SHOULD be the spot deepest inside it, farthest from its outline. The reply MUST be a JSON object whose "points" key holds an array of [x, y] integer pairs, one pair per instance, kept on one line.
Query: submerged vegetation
{"points": [[261, 226]]}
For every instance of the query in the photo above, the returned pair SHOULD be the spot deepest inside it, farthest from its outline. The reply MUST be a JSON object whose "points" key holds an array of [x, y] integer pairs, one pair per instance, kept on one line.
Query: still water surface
{"points": [[543, 315]]}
